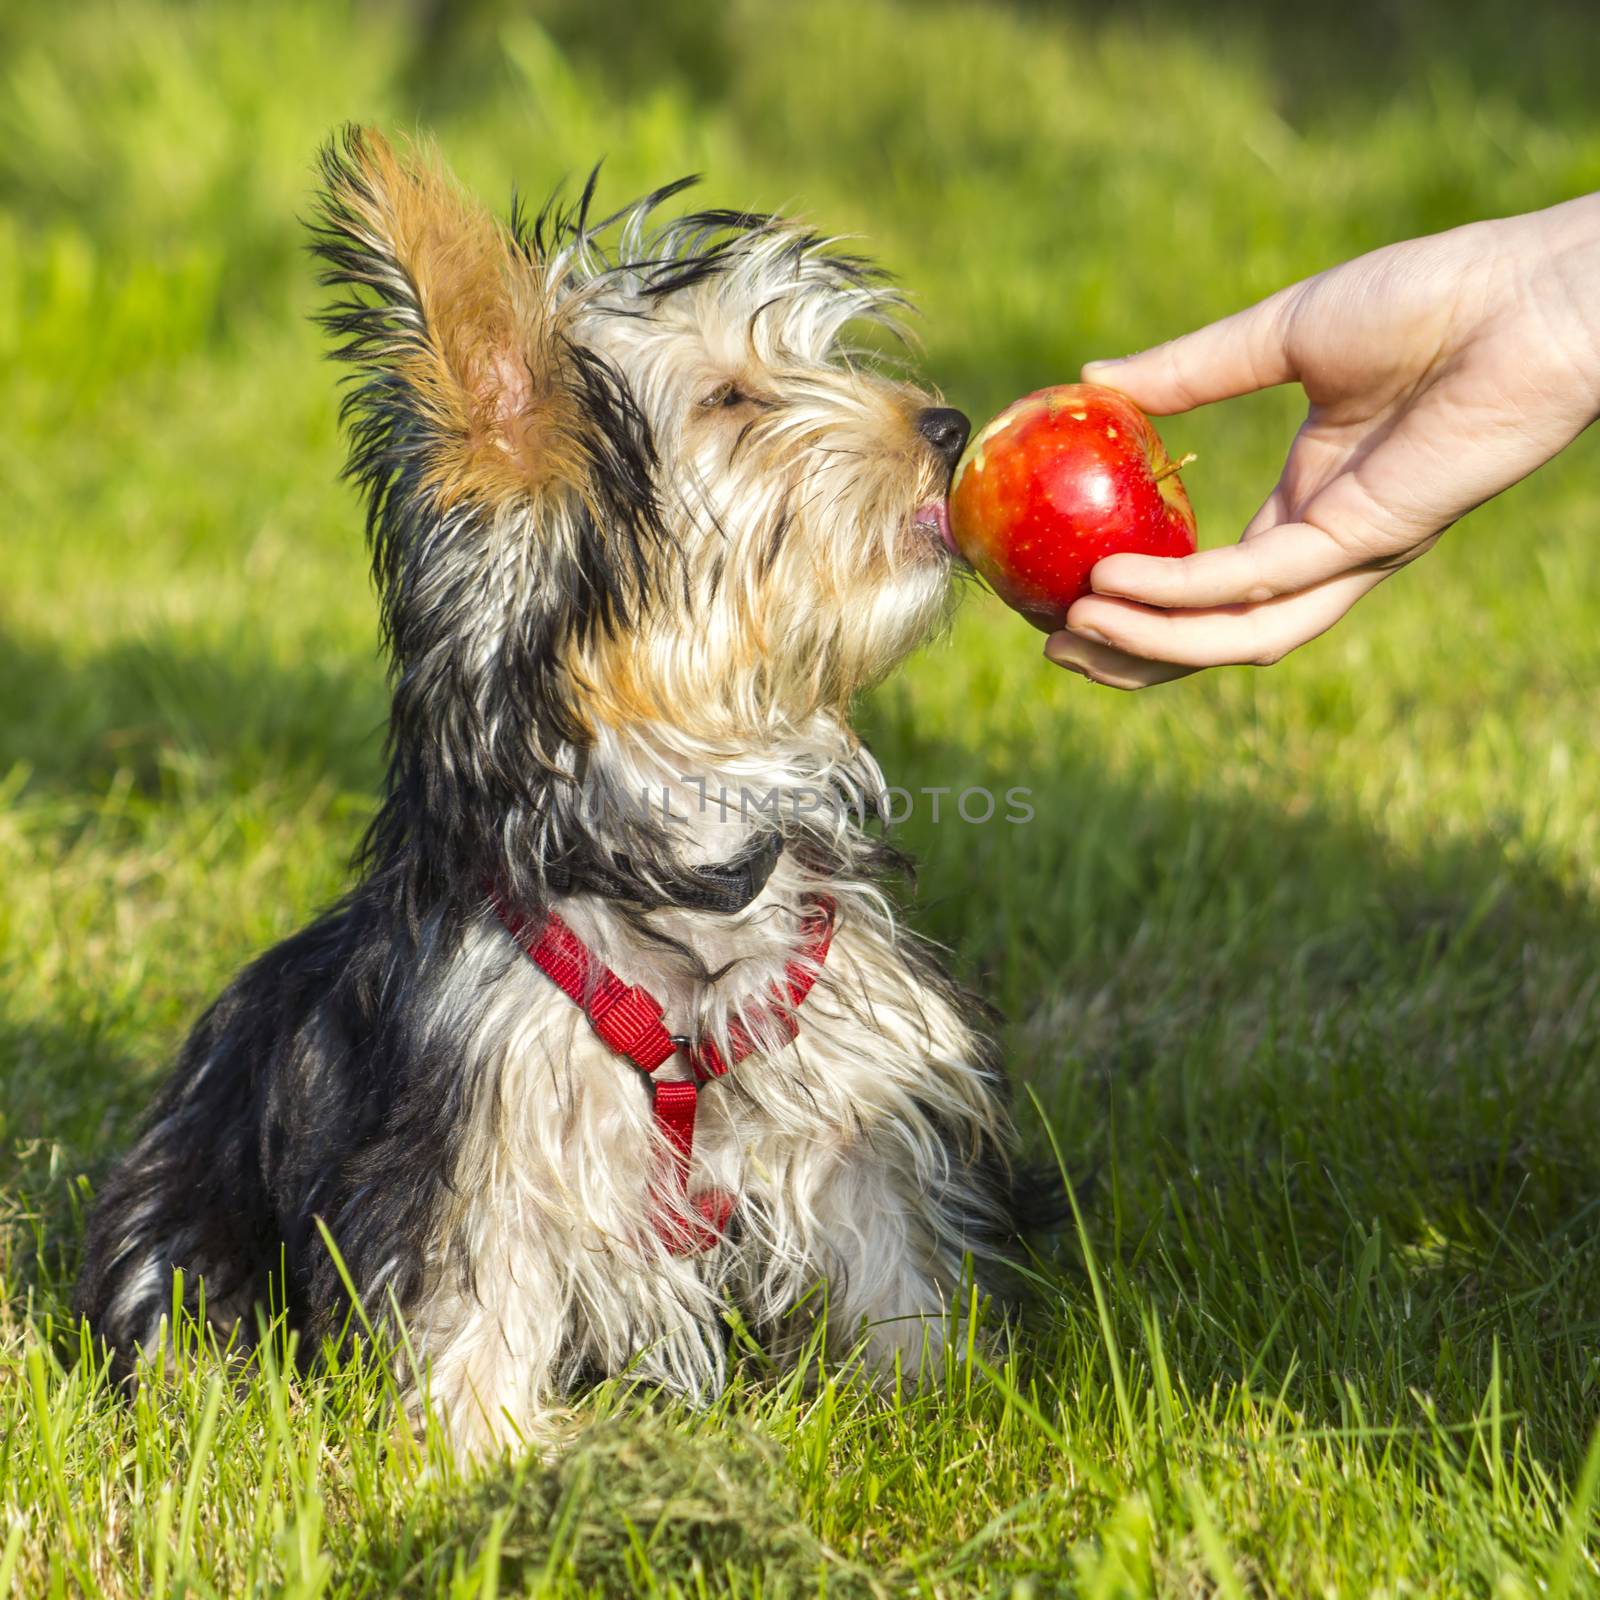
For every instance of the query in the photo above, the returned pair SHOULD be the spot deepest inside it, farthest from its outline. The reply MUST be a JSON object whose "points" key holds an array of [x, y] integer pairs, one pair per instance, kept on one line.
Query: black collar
{"points": [[724, 886]]}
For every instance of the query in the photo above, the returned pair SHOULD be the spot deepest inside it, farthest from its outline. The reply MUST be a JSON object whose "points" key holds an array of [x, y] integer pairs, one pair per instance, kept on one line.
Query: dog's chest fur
{"points": [[546, 1256]]}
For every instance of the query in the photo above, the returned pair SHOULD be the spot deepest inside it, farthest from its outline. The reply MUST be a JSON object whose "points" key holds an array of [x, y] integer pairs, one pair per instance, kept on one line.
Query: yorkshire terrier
{"points": [[618, 1033]]}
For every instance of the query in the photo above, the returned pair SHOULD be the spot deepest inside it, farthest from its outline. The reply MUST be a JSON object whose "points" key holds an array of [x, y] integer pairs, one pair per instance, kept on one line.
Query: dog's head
{"points": [[619, 474]]}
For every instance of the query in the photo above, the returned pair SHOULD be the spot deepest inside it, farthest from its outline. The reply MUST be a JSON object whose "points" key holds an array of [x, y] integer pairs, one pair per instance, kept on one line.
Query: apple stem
{"points": [[1176, 466]]}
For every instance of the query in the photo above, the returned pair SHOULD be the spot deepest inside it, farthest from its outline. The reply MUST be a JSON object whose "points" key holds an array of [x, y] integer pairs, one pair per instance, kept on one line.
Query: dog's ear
{"points": [[473, 399]]}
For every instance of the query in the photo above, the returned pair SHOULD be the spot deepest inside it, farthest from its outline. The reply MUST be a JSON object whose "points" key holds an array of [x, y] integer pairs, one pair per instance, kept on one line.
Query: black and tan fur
{"points": [[641, 524]]}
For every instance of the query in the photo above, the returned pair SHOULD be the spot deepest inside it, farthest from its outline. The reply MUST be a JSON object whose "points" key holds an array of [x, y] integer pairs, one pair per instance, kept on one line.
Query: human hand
{"points": [[1439, 372]]}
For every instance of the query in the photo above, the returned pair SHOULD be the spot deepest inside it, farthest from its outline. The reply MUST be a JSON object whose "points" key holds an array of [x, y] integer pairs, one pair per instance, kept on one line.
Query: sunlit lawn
{"points": [[1300, 965]]}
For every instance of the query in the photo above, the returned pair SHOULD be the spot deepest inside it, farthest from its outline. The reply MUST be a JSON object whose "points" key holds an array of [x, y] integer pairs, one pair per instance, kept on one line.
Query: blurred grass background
{"points": [[1302, 964]]}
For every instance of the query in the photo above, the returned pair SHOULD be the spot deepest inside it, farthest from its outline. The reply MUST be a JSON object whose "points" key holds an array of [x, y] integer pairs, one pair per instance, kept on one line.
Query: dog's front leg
{"points": [[894, 1263], [502, 1356], [492, 1359]]}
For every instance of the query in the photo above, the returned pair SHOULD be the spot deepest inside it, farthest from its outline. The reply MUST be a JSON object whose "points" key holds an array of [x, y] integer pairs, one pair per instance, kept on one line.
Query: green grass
{"points": [[1299, 965]]}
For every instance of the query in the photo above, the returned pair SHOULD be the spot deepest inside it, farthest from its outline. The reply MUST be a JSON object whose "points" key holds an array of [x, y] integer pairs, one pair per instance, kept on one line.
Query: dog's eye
{"points": [[725, 395]]}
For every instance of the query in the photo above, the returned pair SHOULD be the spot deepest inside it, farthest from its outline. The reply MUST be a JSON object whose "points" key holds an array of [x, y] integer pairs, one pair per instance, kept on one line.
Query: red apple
{"points": [[1057, 480]]}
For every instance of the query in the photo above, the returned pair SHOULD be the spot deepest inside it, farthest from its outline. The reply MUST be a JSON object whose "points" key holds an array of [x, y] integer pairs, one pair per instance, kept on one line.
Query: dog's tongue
{"points": [[935, 514]]}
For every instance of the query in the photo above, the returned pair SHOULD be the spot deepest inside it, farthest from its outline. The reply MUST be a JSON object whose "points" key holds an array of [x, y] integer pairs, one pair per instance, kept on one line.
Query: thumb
{"points": [[1235, 356]]}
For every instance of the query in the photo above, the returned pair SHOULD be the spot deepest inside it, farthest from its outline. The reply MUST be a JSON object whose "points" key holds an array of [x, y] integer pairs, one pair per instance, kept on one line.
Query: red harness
{"points": [[628, 1019]]}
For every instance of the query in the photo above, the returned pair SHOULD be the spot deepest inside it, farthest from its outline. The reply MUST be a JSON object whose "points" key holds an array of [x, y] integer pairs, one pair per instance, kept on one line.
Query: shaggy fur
{"points": [[641, 526]]}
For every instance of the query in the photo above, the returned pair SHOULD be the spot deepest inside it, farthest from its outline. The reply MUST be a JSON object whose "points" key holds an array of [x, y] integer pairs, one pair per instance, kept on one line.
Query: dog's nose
{"points": [[946, 429]]}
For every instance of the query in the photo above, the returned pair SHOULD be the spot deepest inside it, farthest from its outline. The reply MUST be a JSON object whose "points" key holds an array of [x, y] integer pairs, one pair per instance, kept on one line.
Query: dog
{"points": [[618, 1032]]}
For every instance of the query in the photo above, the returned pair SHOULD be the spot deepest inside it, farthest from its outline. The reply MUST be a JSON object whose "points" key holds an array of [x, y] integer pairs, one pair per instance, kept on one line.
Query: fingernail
{"points": [[1106, 361], [1087, 633]]}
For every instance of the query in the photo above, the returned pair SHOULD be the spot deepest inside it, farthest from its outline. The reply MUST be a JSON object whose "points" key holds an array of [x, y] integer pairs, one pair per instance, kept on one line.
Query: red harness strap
{"points": [[628, 1019]]}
